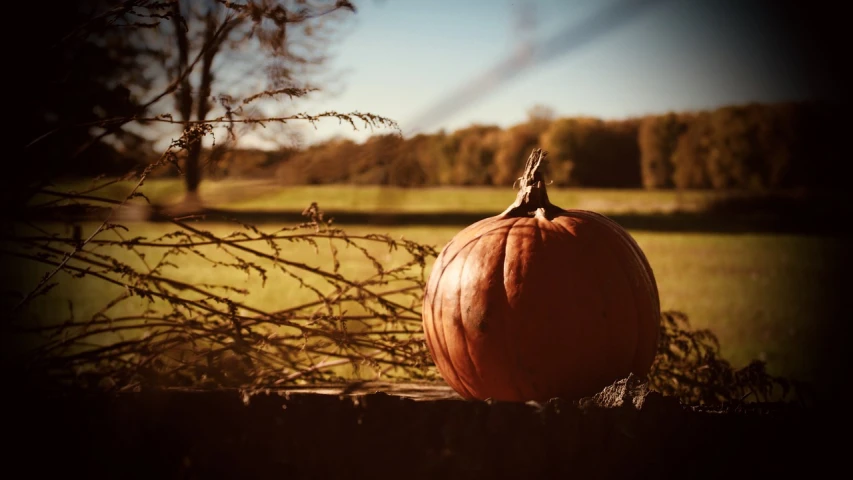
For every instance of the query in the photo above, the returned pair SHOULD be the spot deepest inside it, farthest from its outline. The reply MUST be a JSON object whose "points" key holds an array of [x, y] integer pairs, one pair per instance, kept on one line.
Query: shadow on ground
{"points": [[730, 216]]}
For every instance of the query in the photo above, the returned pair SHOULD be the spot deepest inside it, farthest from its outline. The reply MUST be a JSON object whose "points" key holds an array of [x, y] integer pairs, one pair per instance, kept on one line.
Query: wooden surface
{"points": [[413, 431], [409, 390]]}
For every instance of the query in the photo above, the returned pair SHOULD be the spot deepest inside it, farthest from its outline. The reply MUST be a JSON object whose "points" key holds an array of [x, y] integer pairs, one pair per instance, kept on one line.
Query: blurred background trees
{"points": [[71, 75], [109, 81], [757, 147], [225, 58]]}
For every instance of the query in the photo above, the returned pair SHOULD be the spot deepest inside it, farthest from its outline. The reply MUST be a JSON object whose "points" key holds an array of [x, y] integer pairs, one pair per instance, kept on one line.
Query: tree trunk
{"points": [[192, 168], [212, 43]]}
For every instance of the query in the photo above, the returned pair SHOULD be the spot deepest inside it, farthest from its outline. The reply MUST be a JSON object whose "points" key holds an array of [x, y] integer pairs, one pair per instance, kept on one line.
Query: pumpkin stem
{"points": [[532, 199]]}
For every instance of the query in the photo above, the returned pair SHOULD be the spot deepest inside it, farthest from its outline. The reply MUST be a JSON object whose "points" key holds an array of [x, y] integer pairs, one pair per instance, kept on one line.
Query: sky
{"points": [[403, 58]]}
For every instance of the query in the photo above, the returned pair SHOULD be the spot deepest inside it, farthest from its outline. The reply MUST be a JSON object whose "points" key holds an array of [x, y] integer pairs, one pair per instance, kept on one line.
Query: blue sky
{"points": [[398, 58]]}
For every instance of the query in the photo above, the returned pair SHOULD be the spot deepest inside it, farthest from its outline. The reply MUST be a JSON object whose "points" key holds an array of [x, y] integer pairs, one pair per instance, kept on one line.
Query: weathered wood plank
{"points": [[414, 430]]}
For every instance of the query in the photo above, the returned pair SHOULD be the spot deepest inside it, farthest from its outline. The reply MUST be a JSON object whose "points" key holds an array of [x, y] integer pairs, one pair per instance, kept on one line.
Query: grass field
{"points": [[266, 195], [760, 294]]}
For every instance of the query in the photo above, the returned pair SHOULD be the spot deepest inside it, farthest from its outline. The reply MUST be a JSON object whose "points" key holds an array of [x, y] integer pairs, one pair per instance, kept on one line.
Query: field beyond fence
{"points": [[752, 269]]}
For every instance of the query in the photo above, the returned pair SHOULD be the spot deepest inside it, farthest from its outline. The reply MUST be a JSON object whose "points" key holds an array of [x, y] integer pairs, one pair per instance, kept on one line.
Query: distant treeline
{"points": [[755, 146]]}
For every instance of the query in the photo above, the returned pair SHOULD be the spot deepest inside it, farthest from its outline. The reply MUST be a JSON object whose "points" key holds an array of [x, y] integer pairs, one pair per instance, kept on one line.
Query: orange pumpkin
{"points": [[540, 302]]}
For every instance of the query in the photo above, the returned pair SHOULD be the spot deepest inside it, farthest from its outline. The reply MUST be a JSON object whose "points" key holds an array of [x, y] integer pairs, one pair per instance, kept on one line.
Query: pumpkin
{"points": [[540, 302]]}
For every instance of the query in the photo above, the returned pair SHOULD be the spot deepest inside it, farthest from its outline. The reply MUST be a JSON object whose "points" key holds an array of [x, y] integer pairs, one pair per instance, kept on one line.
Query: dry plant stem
{"points": [[178, 285], [140, 243], [305, 342], [369, 120], [180, 324], [325, 364], [180, 79], [532, 199], [80, 246], [303, 266], [184, 286], [688, 364], [163, 296], [77, 196]]}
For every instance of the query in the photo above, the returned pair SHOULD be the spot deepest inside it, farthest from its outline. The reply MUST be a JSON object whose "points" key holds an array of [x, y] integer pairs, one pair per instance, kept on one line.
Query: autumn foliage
{"points": [[755, 147]]}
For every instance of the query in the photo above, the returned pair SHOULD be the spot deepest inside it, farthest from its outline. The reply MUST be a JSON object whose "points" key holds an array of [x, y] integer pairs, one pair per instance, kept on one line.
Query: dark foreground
{"points": [[406, 432]]}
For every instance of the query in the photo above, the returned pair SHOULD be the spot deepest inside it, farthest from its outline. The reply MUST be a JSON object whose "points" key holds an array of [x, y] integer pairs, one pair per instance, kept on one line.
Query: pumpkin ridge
{"points": [[440, 347], [474, 233], [637, 258], [648, 276], [461, 320], [521, 359], [441, 344], [439, 331], [615, 248], [534, 387], [510, 317], [632, 243]]}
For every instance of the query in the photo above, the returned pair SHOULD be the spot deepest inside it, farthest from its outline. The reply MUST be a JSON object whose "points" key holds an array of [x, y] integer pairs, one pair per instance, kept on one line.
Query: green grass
{"points": [[467, 199], [266, 195], [760, 294]]}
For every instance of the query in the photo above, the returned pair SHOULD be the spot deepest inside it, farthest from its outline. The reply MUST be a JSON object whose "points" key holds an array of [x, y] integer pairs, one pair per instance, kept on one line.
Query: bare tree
{"points": [[228, 64], [72, 67], [227, 67]]}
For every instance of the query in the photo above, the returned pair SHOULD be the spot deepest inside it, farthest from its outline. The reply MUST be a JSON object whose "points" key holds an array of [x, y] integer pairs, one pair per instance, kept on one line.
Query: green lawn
{"points": [[760, 293], [468, 199], [266, 195]]}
